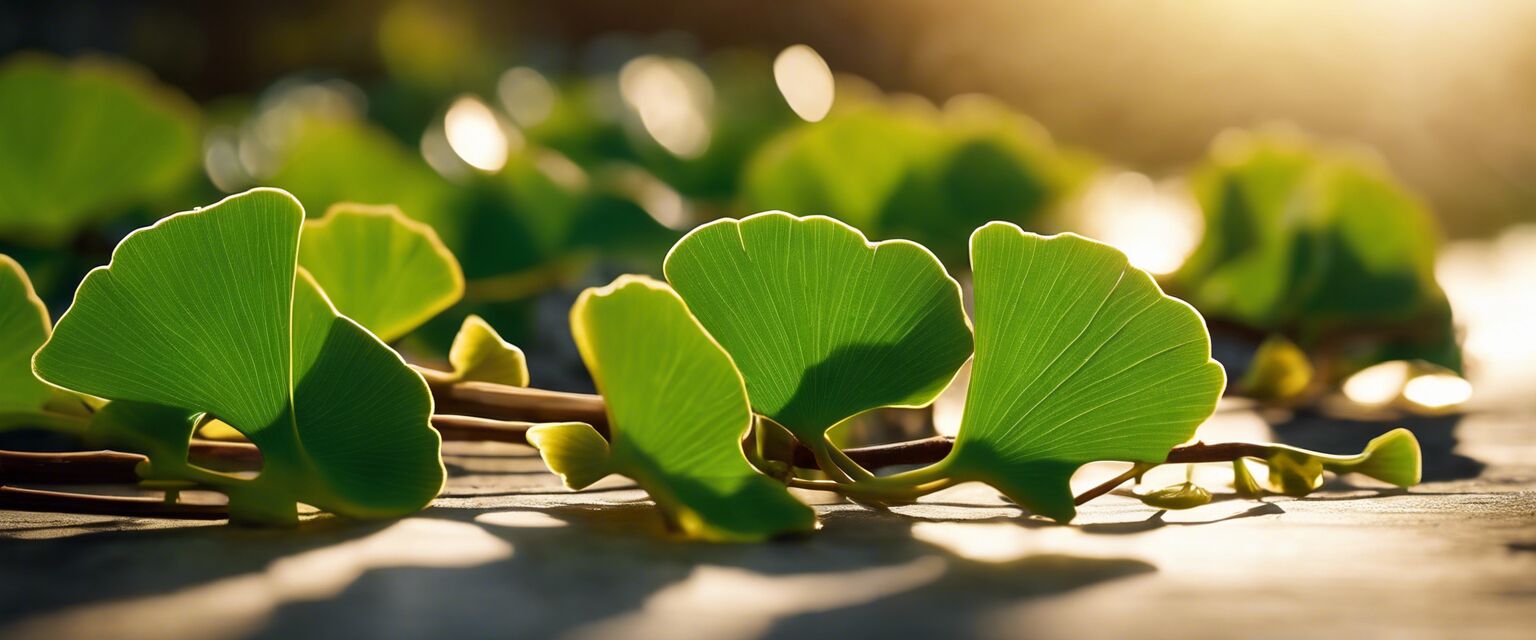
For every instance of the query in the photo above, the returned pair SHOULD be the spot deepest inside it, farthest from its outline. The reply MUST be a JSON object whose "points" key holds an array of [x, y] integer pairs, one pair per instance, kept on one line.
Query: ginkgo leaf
{"points": [[677, 412], [823, 324], [1079, 357], [24, 325], [1393, 457], [1185, 495], [480, 355], [1294, 473], [206, 313], [385, 271], [78, 138], [572, 450]]}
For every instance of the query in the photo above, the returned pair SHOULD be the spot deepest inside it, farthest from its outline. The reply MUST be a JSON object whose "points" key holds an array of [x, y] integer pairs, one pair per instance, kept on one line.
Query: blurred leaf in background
{"points": [[900, 169], [79, 138], [1317, 243]]}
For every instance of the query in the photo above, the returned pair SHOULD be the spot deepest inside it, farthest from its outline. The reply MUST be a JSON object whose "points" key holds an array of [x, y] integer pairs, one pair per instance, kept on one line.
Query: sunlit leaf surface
{"points": [[206, 313], [24, 325], [78, 138], [1079, 357], [678, 412], [385, 271], [823, 324], [479, 354]]}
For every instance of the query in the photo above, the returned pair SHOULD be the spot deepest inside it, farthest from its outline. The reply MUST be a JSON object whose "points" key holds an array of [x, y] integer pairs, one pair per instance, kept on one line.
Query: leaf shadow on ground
{"points": [[107, 562], [611, 570]]}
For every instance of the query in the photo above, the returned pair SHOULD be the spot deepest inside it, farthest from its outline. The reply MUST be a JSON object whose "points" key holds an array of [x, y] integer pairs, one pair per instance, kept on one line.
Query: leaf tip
{"points": [[572, 450]]}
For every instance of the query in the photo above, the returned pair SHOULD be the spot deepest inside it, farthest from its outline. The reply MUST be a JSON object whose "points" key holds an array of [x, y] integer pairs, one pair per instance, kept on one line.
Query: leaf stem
{"points": [[19, 499]]}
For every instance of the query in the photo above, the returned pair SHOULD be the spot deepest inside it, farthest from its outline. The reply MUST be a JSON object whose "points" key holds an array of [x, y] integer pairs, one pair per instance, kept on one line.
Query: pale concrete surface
{"points": [[506, 552]]}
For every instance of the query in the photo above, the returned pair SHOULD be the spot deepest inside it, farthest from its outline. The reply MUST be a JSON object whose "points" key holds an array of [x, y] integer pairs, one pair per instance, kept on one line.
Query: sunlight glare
{"points": [[1437, 390], [806, 82], [1157, 226], [1377, 385], [476, 135], [672, 98]]}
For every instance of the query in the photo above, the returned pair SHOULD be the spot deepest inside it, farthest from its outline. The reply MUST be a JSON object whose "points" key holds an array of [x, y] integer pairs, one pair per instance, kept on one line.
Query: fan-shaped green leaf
{"points": [[677, 412], [206, 313], [479, 354], [1392, 457], [24, 325], [823, 324], [385, 271], [1079, 357], [574, 451], [77, 138]]}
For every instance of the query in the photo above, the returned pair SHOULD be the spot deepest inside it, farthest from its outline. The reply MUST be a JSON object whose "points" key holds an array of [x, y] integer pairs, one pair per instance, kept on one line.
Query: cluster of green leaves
{"points": [[1314, 243], [901, 171], [1078, 357], [243, 314], [223, 314]]}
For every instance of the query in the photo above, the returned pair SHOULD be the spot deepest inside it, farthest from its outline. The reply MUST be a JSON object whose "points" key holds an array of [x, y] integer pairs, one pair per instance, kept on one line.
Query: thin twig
{"points": [[18, 499]]}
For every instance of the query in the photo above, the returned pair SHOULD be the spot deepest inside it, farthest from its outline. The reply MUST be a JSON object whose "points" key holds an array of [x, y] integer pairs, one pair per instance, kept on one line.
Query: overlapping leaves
{"points": [[1079, 356], [677, 414], [207, 315], [823, 324]]}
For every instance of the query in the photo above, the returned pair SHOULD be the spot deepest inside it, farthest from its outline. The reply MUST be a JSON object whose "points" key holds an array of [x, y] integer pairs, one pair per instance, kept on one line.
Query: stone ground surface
{"points": [[507, 552]]}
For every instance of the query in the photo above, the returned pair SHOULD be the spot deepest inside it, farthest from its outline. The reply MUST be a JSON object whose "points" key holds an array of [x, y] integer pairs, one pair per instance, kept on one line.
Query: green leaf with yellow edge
{"points": [[381, 269], [1185, 495], [24, 325], [574, 451], [480, 355], [1079, 357], [1393, 457], [206, 313], [823, 324], [677, 411], [78, 138]]}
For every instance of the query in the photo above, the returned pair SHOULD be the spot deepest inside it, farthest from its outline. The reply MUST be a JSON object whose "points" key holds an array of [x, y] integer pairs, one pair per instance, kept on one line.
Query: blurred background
{"points": [[1344, 188]]}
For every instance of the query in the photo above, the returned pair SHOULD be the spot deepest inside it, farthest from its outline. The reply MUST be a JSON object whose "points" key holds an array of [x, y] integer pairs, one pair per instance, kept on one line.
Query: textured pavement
{"points": [[507, 552]]}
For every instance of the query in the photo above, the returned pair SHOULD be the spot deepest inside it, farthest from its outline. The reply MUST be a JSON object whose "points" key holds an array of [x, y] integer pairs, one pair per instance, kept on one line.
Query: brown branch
{"points": [[518, 404], [1109, 485], [18, 499], [75, 467], [1188, 454]]}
